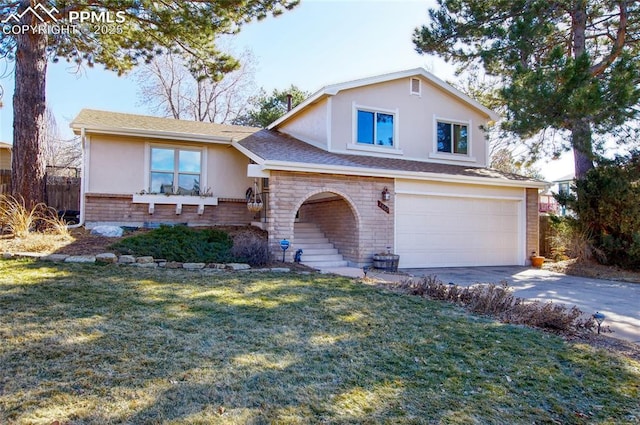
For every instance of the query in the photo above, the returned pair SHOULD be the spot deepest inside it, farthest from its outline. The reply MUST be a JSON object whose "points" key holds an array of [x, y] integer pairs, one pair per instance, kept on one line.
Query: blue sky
{"points": [[320, 42]]}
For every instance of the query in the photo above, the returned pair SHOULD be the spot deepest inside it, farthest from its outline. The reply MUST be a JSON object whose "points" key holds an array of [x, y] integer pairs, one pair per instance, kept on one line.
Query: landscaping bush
{"points": [[179, 243], [497, 300], [20, 221], [568, 240], [607, 205], [251, 248]]}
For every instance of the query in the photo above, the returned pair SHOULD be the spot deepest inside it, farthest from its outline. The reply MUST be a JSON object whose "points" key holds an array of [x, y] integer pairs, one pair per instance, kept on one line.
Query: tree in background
{"points": [[59, 152], [137, 32], [570, 66], [168, 88], [485, 89], [265, 109]]}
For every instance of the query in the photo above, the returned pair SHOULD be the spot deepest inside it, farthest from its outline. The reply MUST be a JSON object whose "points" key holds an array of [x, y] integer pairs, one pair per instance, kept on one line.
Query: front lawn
{"points": [[108, 344]]}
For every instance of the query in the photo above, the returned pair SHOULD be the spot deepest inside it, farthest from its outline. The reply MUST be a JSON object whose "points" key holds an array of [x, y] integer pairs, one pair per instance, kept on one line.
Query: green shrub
{"points": [[607, 205], [179, 243]]}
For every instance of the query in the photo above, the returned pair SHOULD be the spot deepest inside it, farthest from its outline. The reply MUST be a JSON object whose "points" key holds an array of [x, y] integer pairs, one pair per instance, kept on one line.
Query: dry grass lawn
{"points": [[110, 345]]}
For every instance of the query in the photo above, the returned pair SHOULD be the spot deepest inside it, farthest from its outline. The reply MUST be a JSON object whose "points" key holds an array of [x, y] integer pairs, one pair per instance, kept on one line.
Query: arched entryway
{"points": [[326, 228]]}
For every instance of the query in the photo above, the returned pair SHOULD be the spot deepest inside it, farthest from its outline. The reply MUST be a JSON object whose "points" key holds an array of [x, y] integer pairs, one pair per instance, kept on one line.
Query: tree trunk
{"points": [[581, 129], [582, 148], [29, 114]]}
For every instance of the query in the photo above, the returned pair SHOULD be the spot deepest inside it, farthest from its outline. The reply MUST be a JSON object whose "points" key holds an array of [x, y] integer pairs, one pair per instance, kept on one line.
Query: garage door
{"points": [[441, 231]]}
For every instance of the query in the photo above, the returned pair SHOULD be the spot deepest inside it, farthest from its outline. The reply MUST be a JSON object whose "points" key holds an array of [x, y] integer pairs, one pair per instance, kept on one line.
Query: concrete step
{"points": [[318, 251], [321, 257], [323, 264], [305, 246], [314, 251]]}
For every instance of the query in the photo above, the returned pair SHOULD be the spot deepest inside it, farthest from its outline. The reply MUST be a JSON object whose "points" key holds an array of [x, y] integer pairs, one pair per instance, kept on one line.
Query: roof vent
{"points": [[415, 86]]}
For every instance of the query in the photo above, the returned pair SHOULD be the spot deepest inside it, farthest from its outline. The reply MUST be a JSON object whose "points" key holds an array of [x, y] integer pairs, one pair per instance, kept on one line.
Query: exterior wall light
{"points": [[385, 194]]}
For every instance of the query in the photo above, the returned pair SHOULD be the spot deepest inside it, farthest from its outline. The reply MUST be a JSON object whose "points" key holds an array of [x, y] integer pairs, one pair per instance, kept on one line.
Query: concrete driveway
{"points": [[619, 301]]}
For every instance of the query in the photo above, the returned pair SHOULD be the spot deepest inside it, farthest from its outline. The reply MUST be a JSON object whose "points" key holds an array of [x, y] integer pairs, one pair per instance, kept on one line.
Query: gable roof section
{"points": [[5, 145], [277, 151], [334, 89], [95, 121]]}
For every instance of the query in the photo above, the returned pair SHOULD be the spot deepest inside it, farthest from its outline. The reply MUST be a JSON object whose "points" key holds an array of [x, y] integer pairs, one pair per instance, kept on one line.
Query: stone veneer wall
{"points": [[336, 219], [119, 209], [289, 190], [533, 224]]}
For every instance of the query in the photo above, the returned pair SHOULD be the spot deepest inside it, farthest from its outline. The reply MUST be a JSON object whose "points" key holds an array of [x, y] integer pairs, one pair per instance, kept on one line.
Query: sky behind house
{"points": [[318, 43]]}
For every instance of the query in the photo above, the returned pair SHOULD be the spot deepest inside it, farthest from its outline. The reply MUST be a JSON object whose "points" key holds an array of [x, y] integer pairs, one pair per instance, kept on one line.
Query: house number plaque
{"points": [[383, 207]]}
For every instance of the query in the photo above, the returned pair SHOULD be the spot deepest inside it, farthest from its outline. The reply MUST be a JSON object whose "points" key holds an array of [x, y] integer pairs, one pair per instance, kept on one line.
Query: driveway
{"points": [[619, 301]]}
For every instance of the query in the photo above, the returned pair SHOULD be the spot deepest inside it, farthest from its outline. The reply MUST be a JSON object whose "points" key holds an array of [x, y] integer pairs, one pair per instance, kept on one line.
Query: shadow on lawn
{"points": [[140, 346]]}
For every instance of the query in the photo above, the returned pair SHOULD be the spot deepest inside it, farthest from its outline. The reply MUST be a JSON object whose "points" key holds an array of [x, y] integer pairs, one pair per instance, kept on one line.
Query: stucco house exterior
{"points": [[395, 163], [5, 155]]}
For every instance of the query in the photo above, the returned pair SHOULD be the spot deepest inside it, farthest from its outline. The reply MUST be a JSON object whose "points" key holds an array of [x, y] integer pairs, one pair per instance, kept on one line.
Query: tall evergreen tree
{"points": [[265, 109], [569, 65], [118, 34]]}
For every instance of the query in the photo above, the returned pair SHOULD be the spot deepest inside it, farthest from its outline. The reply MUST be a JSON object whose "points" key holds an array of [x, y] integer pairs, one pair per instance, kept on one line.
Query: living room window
{"points": [[452, 138], [175, 170], [375, 128]]}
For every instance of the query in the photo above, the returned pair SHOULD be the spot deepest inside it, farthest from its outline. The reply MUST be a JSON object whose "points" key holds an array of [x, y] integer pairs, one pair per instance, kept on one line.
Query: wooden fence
{"points": [[545, 234], [62, 192]]}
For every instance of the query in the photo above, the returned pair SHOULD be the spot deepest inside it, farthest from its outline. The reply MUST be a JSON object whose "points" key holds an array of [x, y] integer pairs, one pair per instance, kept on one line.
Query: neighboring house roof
{"points": [[164, 128], [334, 89], [566, 179], [277, 151], [5, 145]]}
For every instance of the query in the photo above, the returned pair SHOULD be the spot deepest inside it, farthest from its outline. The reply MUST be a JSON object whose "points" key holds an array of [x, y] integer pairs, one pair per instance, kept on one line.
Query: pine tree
{"points": [[569, 65]]}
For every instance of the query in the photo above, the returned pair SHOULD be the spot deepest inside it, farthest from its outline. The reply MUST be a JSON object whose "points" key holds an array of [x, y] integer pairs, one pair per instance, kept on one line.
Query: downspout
{"points": [[83, 180]]}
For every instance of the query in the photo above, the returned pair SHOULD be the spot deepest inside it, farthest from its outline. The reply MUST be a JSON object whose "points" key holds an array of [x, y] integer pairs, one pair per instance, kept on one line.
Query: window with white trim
{"points": [[375, 128], [452, 138], [175, 170]]}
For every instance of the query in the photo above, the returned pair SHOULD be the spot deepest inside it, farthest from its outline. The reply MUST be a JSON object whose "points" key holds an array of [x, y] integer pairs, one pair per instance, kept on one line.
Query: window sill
{"points": [[372, 148], [452, 157], [177, 200]]}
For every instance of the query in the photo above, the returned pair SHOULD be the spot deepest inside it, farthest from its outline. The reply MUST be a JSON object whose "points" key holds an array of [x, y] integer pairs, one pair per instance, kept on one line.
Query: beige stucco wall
{"points": [[330, 123], [415, 117], [117, 166], [452, 189], [310, 125]]}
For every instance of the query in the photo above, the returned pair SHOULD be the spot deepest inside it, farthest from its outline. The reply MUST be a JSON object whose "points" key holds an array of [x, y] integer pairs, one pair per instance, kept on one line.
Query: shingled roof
{"points": [[270, 146], [115, 122]]}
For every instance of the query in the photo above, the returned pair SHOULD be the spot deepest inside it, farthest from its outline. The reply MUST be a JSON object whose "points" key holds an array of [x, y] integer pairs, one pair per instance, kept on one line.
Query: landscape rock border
{"points": [[142, 261]]}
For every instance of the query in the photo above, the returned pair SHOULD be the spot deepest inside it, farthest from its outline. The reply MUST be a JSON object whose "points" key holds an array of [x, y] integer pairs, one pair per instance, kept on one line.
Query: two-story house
{"points": [[395, 162]]}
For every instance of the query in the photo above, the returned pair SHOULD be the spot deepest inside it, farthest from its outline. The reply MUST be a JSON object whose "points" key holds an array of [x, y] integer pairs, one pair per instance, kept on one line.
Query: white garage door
{"points": [[441, 231]]}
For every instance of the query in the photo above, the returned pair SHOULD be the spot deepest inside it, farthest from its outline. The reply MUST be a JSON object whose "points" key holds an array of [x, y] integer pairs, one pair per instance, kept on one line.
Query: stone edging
{"points": [[143, 261]]}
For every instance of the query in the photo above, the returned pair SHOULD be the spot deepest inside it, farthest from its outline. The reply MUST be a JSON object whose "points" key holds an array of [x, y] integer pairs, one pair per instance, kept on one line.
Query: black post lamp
{"points": [[599, 317]]}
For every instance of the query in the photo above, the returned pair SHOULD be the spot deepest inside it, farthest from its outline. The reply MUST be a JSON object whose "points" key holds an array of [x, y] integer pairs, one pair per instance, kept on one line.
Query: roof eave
{"points": [[415, 175], [154, 134], [334, 89]]}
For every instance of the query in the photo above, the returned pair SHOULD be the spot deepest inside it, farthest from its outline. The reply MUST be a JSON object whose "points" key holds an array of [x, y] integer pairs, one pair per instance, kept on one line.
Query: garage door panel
{"points": [[440, 231]]}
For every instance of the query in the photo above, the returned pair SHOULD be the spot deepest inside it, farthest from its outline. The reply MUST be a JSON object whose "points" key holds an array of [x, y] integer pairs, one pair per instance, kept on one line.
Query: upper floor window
{"points": [[375, 128], [452, 138], [175, 170]]}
